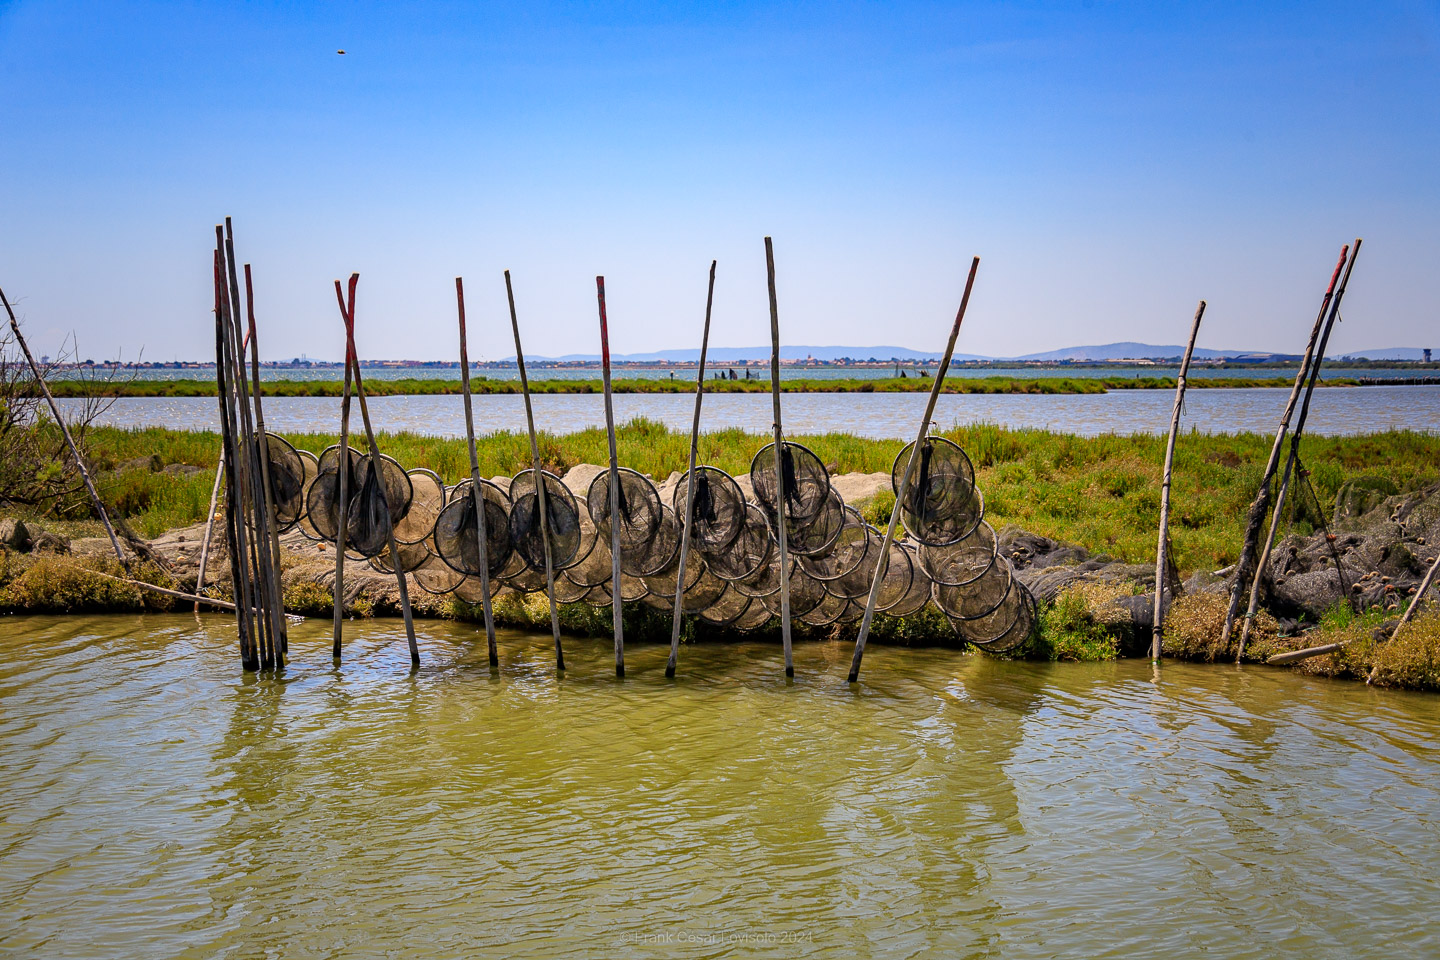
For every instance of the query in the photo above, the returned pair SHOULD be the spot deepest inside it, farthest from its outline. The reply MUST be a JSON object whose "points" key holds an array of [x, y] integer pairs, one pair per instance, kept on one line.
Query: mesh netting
{"points": [[287, 480], [660, 553], [562, 521], [593, 564], [766, 578], [412, 555], [941, 504], [807, 484], [806, 593], [747, 552], [963, 561], [472, 590], [427, 497], [754, 618], [662, 582], [826, 612], [379, 499], [640, 511], [718, 515], [1005, 627], [312, 470], [976, 599], [727, 610], [436, 576], [845, 552], [817, 535], [917, 596], [455, 537]]}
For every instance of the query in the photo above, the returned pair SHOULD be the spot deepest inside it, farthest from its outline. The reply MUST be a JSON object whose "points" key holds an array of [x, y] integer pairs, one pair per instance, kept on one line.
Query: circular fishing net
{"points": [[632, 589], [976, 599], [817, 535], [726, 610], [1005, 627], [287, 480], [766, 578], [562, 520], [412, 555], [806, 593], [378, 499], [568, 591], [806, 483], [312, 470], [744, 555], [593, 564], [705, 591], [826, 612], [846, 551], [961, 562], [718, 514], [755, 617], [662, 582], [856, 583], [640, 511], [472, 590], [427, 497], [436, 576], [661, 552], [941, 504], [455, 536], [918, 595]]}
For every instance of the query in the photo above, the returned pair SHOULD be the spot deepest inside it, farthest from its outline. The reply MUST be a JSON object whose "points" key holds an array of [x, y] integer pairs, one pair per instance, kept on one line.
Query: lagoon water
{"points": [[1335, 410], [157, 803]]}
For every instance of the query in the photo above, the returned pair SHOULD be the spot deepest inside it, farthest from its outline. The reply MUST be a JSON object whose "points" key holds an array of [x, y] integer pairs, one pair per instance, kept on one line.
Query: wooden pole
{"points": [[1163, 546], [179, 594], [477, 495], [343, 465], [540, 492], [250, 467], [69, 440], [209, 526], [884, 561], [1293, 459], [616, 602], [272, 525], [234, 526], [377, 467], [1419, 592], [778, 446], [690, 484], [1261, 504]]}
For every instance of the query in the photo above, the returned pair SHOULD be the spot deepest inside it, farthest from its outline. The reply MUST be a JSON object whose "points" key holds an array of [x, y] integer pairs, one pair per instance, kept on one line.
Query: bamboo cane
{"points": [[179, 594], [613, 491], [476, 494], [1261, 504], [65, 430], [234, 533], [209, 526], [1419, 592], [343, 465], [884, 561], [277, 615], [250, 467], [1162, 547], [690, 484], [1293, 459], [778, 447], [377, 466], [540, 492]]}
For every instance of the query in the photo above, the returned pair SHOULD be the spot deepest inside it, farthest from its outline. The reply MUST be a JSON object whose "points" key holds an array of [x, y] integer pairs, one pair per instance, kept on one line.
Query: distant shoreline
{"points": [[483, 386]]}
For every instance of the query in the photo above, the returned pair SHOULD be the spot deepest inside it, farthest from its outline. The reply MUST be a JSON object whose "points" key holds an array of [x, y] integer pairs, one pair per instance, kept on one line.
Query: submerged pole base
{"points": [[790, 673]]}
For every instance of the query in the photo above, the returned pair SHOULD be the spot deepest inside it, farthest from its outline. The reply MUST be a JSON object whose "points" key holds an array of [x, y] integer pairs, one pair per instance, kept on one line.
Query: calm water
{"points": [[881, 415], [452, 372], [157, 804]]}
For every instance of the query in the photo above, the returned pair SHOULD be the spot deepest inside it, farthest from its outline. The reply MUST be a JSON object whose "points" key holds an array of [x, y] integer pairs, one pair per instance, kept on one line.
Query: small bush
{"points": [[1082, 624], [1194, 624]]}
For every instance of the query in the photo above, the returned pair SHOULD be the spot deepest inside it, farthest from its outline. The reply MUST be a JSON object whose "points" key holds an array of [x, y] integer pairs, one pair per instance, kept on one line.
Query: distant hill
{"points": [[1389, 353], [1130, 350], [787, 352]]}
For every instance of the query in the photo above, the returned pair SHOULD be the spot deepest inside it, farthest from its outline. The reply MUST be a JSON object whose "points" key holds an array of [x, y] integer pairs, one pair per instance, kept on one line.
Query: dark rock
{"points": [[152, 463], [15, 535]]}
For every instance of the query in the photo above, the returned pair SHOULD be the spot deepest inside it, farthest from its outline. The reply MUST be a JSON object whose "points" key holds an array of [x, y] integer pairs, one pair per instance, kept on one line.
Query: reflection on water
{"points": [[881, 415], [157, 803]]}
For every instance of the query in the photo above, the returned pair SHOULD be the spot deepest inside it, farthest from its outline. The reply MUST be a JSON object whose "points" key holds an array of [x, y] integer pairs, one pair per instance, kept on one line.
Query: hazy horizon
{"points": [[1111, 164]]}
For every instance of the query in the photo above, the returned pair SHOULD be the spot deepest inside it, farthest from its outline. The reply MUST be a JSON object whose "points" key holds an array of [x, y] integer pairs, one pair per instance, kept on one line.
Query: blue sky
{"points": [[1110, 162]]}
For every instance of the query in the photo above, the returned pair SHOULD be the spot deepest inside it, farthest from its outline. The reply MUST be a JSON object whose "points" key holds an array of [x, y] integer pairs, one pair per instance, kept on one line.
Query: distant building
{"points": [[1427, 354]]}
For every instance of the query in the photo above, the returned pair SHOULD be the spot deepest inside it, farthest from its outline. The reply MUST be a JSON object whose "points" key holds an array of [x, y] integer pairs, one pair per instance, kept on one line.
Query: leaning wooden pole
{"points": [[1163, 547], [1261, 505], [209, 526], [69, 440], [1419, 593], [884, 560], [342, 465], [540, 491], [271, 543], [477, 495], [690, 484], [1292, 462], [616, 602], [377, 467], [781, 532]]}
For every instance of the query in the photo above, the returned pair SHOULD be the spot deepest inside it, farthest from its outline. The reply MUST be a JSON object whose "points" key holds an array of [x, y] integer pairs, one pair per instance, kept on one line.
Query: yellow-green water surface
{"points": [[155, 802]]}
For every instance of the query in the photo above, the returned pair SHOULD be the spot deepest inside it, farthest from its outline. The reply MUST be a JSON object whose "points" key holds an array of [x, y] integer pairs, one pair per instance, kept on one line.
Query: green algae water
{"points": [[155, 802]]}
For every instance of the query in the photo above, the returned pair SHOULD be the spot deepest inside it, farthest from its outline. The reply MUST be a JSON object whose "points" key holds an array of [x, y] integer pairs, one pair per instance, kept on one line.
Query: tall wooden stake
{"points": [[780, 490], [1261, 505], [477, 495], [1293, 459], [540, 492], [234, 507], [1162, 548], [884, 561], [377, 466], [616, 611], [277, 613], [69, 440], [690, 484], [1419, 593], [343, 465]]}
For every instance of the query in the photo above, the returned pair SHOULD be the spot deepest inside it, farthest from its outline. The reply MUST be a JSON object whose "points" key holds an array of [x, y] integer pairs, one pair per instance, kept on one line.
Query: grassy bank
{"points": [[482, 385], [1100, 492]]}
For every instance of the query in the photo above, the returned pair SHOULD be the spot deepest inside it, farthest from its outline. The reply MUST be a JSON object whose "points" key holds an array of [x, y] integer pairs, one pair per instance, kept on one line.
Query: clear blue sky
{"points": [[1111, 163]]}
